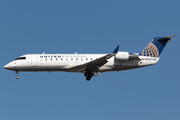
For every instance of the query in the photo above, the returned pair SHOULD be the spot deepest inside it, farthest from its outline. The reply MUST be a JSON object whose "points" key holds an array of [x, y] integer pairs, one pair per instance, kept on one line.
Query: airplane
{"points": [[91, 64]]}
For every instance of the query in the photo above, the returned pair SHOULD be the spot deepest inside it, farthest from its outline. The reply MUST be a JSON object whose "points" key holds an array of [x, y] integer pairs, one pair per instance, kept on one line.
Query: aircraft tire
{"points": [[17, 77], [88, 78]]}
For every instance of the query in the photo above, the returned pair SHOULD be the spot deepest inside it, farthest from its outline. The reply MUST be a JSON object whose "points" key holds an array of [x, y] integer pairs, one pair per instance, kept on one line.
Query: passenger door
{"points": [[34, 60]]}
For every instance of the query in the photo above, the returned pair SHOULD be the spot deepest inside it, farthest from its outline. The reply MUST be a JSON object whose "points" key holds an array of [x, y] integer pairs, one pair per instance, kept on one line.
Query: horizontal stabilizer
{"points": [[170, 36], [166, 38]]}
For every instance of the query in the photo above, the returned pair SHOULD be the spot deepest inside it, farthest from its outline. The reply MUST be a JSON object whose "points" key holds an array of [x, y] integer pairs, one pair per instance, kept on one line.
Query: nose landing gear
{"points": [[17, 76]]}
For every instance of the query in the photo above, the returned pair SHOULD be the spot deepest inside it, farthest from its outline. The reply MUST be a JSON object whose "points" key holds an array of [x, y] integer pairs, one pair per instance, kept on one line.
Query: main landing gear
{"points": [[17, 76], [88, 76]]}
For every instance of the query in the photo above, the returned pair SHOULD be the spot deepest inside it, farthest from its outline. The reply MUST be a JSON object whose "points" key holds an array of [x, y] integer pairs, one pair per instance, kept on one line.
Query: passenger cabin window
{"points": [[20, 58]]}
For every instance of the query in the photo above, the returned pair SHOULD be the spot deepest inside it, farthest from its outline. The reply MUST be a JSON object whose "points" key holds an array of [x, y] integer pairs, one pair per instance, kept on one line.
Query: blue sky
{"points": [[54, 26]]}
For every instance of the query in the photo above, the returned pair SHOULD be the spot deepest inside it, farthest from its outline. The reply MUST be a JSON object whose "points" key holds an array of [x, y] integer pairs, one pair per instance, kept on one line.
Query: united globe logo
{"points": [[151, 51]]}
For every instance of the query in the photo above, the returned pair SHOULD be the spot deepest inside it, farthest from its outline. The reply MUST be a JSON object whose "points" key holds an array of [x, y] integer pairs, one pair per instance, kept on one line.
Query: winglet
{"points": [[116, 50]]}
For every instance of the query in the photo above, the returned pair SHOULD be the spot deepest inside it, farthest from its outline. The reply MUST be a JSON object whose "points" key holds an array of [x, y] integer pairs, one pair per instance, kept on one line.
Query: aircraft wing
{"points": [[93, 66]]}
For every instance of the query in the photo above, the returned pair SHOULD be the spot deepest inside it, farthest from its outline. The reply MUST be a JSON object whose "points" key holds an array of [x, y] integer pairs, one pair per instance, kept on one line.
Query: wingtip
{"points": [[116, 50]]}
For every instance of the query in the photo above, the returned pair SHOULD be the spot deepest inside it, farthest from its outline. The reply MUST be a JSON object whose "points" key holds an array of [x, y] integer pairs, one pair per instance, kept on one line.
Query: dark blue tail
{"points": [[156, 46]]}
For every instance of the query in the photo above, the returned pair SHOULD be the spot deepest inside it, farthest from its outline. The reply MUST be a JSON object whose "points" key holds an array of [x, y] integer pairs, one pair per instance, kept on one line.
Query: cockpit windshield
{"points": [[20, 58]]}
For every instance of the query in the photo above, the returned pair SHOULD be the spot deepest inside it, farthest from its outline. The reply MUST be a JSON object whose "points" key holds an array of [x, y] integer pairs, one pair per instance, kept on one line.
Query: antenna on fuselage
{"points": [[43, 52], [75, 53]]}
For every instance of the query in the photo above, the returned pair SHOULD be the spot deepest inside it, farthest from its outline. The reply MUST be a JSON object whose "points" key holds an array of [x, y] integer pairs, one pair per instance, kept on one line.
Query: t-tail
{"points": [[156, 46]]}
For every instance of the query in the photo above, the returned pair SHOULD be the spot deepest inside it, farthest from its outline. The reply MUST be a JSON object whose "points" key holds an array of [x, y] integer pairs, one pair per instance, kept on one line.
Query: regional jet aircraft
{"points": [[90, 64]]}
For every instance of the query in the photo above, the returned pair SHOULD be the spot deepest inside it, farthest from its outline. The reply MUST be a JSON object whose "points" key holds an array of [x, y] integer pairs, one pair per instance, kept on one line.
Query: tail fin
{"points": [[156, 46]]}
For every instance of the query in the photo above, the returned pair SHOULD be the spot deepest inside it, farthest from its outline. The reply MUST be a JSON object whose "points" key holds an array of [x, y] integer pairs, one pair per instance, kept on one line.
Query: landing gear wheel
{"points": [[88, 78], [90, 74], [17, 77]]}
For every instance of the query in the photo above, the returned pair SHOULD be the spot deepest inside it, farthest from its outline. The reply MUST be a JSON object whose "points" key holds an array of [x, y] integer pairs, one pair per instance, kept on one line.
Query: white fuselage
{"points": [[64, 62], [91, 64]]}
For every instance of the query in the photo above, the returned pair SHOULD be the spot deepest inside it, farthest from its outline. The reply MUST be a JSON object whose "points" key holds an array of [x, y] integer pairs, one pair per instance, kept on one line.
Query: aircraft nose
{"points": [[7, 66]]}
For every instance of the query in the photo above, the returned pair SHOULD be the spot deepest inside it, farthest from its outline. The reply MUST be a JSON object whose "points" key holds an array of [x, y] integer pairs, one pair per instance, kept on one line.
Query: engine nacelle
{"points": [[122, 56]]}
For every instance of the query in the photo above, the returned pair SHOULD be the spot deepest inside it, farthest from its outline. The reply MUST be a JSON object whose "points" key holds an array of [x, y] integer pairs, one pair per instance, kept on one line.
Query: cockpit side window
{"points": [[20, 58]]}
